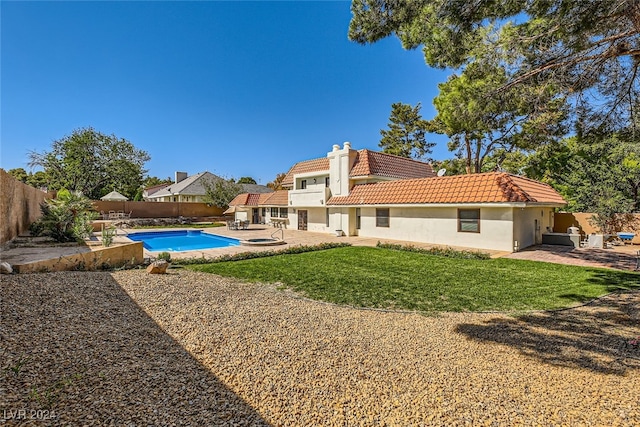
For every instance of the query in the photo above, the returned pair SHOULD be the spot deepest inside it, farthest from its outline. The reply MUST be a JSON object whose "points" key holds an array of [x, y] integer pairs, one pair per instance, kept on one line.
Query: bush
{"points": [[445, 252], [165, 256], [250, 255], [66, 218], [107, 236]]}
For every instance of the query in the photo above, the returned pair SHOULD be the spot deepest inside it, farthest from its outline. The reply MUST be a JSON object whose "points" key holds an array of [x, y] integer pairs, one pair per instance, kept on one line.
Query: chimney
{"points": [[180, 176]]}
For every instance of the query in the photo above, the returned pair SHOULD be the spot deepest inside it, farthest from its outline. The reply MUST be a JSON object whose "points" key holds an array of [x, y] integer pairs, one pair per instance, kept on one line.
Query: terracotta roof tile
{"points": [[321, 164], [476, 188], [367, 163], [239, 200], [277, 198], [387, 165]]}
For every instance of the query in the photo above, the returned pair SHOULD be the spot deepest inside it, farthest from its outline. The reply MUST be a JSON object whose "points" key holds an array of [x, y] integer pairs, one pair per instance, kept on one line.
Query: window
{"points": [[326, 182], [284, 212], [469, 220], [382, 217], [264, 212], [358, 219], [303, 184], [274, 212]]}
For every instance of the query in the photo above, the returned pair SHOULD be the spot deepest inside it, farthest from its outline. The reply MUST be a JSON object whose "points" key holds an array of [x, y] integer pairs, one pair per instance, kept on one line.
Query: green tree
{"points": [[455, 166], [152, 181], [485, 124], [220, 192], [597, 173], [588, 48], [38, 179], [19, 173], [406, 136], [246, 180], [93, 163]]}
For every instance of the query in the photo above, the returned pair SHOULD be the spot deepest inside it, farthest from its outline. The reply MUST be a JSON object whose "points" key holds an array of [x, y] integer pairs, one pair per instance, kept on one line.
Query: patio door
{"points": [[255, 216], [302, 220]]}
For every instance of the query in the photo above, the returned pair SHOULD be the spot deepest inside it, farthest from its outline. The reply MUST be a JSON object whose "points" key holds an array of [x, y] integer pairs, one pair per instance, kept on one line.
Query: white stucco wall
{"points": [[524, 224], [340, 163], [439, 225], [316, 220]]}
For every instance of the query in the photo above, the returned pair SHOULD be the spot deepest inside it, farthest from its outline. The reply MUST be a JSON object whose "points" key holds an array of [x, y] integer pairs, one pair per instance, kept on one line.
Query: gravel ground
{"points": [[187, 348]]}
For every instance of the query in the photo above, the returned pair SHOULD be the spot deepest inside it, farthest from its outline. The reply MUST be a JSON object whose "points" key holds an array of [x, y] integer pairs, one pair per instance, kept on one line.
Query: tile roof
{"points": [[388, 165], [276, 198], [368, 163], [494, 187], [240, 200], [155, 188], [313, 165]]}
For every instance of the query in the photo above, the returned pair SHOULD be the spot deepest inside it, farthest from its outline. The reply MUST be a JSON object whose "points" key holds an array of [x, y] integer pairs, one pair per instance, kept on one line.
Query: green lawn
{"points": [[383, 278]]}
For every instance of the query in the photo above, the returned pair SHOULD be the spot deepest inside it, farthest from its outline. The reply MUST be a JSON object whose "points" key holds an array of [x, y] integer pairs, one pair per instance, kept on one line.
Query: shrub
{"points": [[66, 218], [250, 255], [445, 252], [107, 236], [165, 256]]}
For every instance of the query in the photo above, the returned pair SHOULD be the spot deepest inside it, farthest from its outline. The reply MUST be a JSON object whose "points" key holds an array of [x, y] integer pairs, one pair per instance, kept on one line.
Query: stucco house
{"points": [[372, 194], [192, 188]]}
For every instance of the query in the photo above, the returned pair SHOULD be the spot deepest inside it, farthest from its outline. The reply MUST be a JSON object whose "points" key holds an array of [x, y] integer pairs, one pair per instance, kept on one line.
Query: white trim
{"points": [[310, 174]]}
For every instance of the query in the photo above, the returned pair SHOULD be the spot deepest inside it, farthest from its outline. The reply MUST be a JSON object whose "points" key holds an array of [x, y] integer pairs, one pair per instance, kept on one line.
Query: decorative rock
{"points": [[158, 267], [5, 268]]}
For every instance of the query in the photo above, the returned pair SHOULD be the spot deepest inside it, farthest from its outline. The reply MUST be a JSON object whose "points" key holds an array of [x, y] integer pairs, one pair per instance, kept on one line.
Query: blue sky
{"points": [[235, 88]]}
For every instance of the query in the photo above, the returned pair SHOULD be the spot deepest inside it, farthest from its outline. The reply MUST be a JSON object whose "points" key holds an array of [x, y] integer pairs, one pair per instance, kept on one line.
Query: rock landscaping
{"points": [[188, 348]]}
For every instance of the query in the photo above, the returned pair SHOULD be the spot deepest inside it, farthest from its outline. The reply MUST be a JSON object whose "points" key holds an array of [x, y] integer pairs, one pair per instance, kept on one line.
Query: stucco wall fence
{"points": [[158, 209], [19, 206], [564, 220]]}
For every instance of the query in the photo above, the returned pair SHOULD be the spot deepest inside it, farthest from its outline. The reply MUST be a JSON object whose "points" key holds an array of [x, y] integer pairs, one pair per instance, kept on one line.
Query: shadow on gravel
{"points": [[76, 347], [595, 337]]}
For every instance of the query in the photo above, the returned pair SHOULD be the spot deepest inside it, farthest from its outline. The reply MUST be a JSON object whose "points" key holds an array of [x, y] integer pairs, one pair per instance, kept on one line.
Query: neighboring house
{"points": [[151, 190], [261, 208], [193, 188], [378, 195]]}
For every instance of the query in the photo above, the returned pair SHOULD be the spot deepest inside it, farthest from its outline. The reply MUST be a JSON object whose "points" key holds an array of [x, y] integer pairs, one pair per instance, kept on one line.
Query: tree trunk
{"points": [[467, 143]]}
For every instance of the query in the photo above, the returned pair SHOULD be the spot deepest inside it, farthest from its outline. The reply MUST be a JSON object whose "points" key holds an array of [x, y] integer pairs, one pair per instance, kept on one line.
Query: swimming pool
{"points": [[181, 240]]}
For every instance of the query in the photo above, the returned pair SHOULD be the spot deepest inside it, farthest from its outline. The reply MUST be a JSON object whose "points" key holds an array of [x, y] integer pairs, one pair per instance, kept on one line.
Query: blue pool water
{"points": [[182, 240]]}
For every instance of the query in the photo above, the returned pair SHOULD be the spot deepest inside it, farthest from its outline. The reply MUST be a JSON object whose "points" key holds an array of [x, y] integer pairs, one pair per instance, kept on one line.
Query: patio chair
{"points": [[231, 225]]}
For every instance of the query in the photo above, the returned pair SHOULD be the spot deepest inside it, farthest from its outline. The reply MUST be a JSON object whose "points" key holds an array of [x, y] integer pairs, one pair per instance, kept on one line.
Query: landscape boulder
{"points": [[158, 267], [5, 268]]}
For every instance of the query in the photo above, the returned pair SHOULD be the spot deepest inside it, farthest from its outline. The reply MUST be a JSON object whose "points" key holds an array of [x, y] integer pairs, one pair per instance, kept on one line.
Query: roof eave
{"points": [[449, 205]]}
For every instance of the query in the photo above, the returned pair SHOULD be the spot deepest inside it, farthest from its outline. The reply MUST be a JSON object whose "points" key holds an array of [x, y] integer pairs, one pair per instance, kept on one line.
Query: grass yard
{"points": [[384, 278]]}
